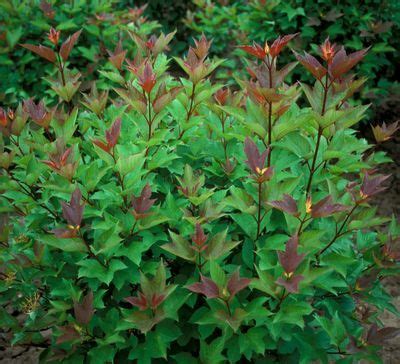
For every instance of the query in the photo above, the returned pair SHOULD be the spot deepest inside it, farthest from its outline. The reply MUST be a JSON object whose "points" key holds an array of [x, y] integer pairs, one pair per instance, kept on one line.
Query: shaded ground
{"points": [[20, 355], [389, 203]]}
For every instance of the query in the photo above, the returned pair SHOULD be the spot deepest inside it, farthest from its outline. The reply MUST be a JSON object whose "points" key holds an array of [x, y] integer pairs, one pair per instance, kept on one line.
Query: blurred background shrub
{"points": [[104, 23], [353, 23], [356, 24]]}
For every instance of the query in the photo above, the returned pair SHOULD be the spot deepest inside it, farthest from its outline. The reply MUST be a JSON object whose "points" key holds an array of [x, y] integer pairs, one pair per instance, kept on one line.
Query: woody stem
{"points": [[30, 193], [89, 250], [259, 219], [269, 133], [223, 140], [199, 265], [61, 68], [149, 121], [228, 307], [189, 114], [302, 222], [16, 143], [281, 299], [320, 131], [338, 233], [121, 181], [190, 110], [269, 66]]}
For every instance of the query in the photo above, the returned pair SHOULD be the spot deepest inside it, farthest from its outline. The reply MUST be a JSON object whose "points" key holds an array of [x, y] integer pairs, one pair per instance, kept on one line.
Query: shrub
{"points": [[170, 219], [354, 24]]}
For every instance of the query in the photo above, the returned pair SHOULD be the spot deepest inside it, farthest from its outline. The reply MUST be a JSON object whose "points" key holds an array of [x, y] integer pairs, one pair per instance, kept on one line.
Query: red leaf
{"points": [[292, 284], [199, 238], [69, 333], [117, 59], [312, 65], [68, 45], [64, 233], [118, 56], [206, 287], [53, 36], [372, 185], [64, 156], [140, 301], [73, 211], [255, 160], [113, 133], [101, 145], [342, 63], [42, 51], [385, 132], [201, 47], [255, 50], [280, 43], [156, 300], [147, 78], [289, 259], [37, 112], [325, 207], [143, 203], [47, 9], [84, 311], [236, 284], [288, 205], [221, 96], [3, 117]]}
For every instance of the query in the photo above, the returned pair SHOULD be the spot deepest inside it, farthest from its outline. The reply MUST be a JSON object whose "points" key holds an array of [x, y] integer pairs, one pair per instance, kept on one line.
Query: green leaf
{"points": [[334, 328], [218, 246], [217, 274], [91, 268], [212, 353], [293, 313], [180, 247], [253, 341], [67, 245]]}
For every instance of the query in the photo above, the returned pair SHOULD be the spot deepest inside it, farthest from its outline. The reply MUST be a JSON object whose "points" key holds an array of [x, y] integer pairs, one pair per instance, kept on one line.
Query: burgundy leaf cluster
{"points": [[290, 260], [325, 207], [385, 132], [287, 204], [117, 57], [62, 161], [256, 161], [38, 112], [199, 239], [276, 47], [72, 213], [372, 184], [338, 62], [49, 54], [112, 136], [143, 302], [210, 289], [84, 311], [142, 204]]}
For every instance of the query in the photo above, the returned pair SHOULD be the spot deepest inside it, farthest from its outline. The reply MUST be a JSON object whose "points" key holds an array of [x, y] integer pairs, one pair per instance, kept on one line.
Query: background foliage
{"points": [[104, 23], [354, 24]]}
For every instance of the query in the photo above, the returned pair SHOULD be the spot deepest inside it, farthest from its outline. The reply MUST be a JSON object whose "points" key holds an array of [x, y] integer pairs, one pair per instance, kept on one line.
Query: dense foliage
{"points": [[352, 23], [104, 23], [159, 218]]}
